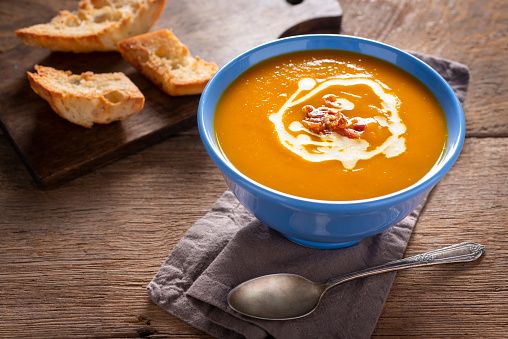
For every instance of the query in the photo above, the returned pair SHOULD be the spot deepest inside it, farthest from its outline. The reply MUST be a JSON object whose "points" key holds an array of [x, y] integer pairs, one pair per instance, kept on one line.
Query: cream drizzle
{"points": [[334, 146]]}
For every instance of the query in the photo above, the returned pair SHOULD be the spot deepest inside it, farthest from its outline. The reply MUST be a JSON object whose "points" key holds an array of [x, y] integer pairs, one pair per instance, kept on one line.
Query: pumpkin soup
{"points": [[330, 125]]}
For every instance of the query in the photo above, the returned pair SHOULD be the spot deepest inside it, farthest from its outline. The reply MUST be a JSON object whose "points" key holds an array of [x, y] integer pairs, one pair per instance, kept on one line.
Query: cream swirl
{"points": [[334, 146]]}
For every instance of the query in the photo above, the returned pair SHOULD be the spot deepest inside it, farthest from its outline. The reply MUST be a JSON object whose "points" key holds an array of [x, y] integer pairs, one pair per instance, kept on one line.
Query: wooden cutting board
{"points": [[56, 151]]}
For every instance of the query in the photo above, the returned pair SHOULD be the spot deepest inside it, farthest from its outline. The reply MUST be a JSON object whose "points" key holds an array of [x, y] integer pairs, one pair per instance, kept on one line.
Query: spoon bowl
{"points": [[272, 296], [287, 296]]}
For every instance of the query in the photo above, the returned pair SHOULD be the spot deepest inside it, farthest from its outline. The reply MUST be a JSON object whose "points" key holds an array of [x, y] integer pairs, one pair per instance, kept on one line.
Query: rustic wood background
{"points": [[75, 261]]}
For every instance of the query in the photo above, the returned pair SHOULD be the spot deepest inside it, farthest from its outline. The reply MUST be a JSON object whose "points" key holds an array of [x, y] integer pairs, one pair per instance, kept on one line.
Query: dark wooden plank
{"points": [[55, 151]]}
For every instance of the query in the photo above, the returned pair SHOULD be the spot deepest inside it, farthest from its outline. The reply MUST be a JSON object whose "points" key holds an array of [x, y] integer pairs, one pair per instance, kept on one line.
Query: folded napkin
{"points": [[229, 246]]}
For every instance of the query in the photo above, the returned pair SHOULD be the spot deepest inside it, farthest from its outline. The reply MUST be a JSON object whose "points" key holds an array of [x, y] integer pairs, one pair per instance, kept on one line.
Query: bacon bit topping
{"points": [[331, 99], [325, 120], [351, 134], [359, 127]]}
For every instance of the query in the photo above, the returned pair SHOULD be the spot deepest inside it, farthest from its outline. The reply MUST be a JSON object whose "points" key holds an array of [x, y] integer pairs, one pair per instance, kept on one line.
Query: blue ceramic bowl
{"points": [[319, 223]]}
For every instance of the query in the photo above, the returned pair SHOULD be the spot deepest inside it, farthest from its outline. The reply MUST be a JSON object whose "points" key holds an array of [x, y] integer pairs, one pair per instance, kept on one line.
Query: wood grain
{"points": [[472, 32], [75, 260], [56, 151]]}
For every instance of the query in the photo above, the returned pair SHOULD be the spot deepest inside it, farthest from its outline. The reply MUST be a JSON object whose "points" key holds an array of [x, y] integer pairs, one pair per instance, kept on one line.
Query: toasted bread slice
{"points": [[97, 25], [167, 62], [87, 98]]}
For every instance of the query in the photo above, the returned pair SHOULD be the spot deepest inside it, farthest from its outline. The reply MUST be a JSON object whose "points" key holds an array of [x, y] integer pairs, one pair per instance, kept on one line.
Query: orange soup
{"points": [[330, 125]]}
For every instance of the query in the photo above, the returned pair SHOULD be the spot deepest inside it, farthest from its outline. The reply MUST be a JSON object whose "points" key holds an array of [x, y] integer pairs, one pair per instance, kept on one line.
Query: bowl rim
{"points": [[441, 167]]}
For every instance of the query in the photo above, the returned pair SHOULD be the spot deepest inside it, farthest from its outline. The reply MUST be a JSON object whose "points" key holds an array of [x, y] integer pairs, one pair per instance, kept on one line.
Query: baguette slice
{"points": [[97, 25], [87, 98], [167, 62]]}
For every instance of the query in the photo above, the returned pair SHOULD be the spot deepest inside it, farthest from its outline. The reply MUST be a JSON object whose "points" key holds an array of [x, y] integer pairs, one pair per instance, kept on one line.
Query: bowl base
{"points": [[321, 245]]}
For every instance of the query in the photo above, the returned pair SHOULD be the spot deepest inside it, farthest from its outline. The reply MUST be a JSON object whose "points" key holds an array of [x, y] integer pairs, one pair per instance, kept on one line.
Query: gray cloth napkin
{"points": [[228, 246]]}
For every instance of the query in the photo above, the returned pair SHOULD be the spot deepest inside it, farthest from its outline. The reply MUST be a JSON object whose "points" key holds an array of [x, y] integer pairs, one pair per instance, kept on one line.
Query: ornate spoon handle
{"points": [[466, 251]]}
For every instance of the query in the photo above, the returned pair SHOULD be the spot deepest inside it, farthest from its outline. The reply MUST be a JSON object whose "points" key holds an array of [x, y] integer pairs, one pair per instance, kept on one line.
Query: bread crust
{"points": [[87, 98], [97, 25], [167, 62]]}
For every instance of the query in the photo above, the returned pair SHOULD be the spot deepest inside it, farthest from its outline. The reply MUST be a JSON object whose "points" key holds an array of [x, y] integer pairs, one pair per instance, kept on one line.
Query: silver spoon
{"points": [[288, 296]]}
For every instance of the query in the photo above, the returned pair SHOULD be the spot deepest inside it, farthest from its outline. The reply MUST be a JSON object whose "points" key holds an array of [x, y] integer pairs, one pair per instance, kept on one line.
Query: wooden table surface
{"points": [[75, 260]]}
